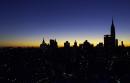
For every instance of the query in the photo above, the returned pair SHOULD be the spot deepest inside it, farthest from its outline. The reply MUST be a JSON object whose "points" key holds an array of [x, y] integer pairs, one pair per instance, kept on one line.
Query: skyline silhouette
{"points": [[24, 23], [64, 41], [105, 63], [109, 40]]}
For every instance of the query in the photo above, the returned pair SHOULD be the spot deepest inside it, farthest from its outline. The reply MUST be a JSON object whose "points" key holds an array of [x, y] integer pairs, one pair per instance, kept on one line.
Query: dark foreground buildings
{"points": [[105, 63]]}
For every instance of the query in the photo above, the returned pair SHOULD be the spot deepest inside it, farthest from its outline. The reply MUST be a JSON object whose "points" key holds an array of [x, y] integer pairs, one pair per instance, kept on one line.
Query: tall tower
{"points": [[43, 42], [110, 40], [113, 30], [113, 38], [43, 45]]}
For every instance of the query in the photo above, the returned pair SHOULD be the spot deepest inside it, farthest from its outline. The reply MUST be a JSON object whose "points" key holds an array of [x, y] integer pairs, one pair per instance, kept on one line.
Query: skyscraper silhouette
{"points": [[43, 45], [113, 42], [113, 30], [75, 44], [53, 43], [66, 44], [110, 40]]}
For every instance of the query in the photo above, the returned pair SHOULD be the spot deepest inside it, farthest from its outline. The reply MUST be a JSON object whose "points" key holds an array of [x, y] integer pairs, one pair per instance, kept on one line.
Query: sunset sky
{"points": [[26, 22]]}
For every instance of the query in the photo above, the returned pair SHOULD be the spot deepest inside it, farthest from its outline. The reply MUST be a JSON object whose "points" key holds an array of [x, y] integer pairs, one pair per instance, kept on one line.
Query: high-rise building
{"points": [[110, 40], [116, 42], [113, 30], [66, 44], [86, 44], [122, 44], [43, 45], [75, 44], [53, 43]]}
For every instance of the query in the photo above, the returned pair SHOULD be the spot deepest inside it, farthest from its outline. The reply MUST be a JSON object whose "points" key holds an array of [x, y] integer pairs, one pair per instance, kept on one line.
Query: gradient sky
{"points": [[26, 22]]}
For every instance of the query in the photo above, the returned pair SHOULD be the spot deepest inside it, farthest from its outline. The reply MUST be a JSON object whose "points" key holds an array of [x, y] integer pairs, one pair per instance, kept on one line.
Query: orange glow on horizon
{"points": [[37, 43]]}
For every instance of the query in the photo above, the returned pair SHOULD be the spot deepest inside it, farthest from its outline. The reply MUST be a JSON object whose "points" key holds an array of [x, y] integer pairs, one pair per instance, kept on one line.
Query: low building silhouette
{"points": [[75, 44], [122, 44], [87, 44], [43, 45], [53, 43], [100, 45], [66, 44]]}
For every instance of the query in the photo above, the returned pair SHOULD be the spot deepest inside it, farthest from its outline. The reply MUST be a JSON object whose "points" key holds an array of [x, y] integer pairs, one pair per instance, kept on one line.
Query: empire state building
{"points": [[110, 40]]}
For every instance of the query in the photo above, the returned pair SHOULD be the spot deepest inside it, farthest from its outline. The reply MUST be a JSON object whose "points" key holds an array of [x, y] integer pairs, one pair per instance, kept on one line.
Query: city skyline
{"points": [[110, 41], [25, 23], [61, 44], [72, 43]]}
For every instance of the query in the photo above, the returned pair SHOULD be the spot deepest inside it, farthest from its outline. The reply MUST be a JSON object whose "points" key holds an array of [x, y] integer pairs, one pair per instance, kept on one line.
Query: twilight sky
{"points": [[26, 22]]}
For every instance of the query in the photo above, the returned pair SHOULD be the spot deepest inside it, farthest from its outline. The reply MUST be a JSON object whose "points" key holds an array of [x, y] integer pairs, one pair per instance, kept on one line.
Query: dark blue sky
{"points": [[26, 22]]}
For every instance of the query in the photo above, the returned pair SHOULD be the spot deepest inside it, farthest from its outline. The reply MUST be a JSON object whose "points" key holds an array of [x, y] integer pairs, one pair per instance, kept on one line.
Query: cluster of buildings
{"points": [[110, 41]]}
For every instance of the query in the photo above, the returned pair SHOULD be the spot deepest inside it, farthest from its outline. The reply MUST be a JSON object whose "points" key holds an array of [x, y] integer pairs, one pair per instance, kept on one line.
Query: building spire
{"points": [[112, 21], [43, 41], [112, 29]]}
